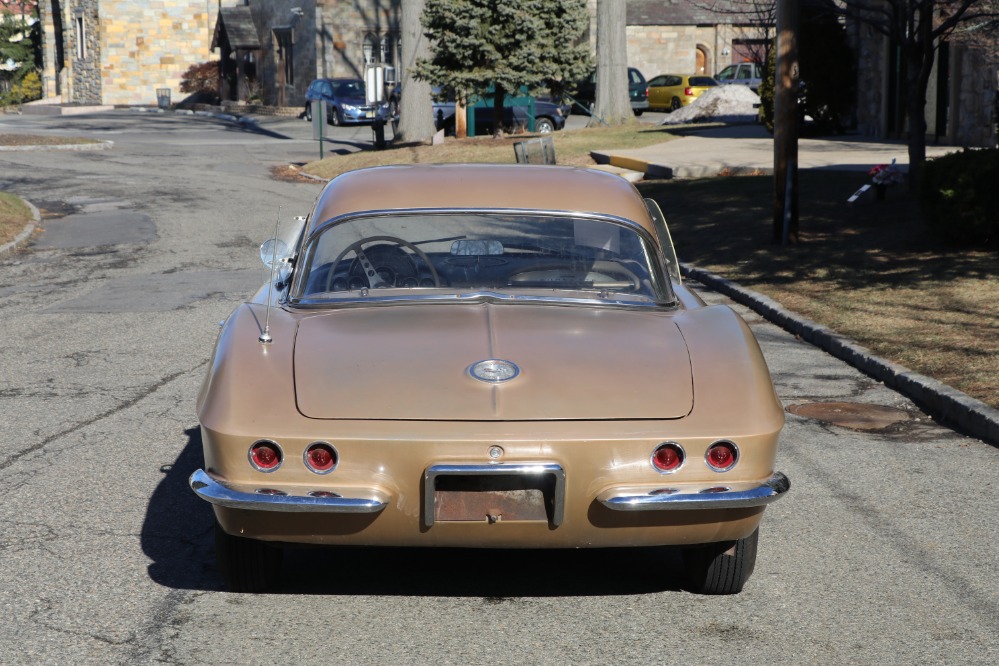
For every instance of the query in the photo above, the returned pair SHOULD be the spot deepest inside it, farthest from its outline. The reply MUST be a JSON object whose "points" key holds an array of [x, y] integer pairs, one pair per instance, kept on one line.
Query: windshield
{"points": [[463, 254]]}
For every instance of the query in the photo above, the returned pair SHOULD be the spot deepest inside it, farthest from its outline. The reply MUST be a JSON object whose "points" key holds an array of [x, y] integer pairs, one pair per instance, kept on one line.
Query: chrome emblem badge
{"points": [[494, 371]]}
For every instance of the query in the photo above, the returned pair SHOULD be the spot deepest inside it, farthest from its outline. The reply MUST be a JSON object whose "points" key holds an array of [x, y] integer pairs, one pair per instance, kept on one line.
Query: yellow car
{"points": [[671, 91]]}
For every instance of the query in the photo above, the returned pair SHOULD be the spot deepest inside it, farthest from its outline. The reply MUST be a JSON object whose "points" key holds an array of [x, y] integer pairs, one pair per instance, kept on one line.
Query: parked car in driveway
{"points": [[548, 115], [669, 92], [742, 73], [638, 92], [345, 102], [486, 356]]}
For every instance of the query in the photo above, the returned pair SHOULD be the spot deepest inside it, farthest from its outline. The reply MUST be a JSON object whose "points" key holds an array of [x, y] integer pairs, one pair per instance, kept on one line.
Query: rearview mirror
{"points": [[476, 248]]}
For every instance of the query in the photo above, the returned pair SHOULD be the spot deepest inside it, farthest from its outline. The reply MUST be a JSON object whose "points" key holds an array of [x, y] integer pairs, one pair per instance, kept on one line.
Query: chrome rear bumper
{"points": [[683, 497], [263, 499]]}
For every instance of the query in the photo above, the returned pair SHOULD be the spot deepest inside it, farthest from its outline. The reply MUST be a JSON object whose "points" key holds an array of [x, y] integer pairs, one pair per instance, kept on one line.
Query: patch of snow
{"points": [[726, 104]]}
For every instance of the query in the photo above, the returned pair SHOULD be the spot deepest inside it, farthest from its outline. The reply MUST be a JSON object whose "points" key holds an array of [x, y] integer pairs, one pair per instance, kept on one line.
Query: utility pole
{"points": [[785, 223]]}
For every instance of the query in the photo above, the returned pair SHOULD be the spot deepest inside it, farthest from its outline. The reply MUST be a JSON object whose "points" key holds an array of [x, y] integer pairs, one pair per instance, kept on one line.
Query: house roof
{"points": [[685, 12], [237, 23]]}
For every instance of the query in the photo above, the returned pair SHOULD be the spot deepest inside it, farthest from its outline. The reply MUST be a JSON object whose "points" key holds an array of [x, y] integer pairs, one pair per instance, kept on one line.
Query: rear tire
{"points": [[308, 112], [246, 565], [721, 568], [675, 104]]}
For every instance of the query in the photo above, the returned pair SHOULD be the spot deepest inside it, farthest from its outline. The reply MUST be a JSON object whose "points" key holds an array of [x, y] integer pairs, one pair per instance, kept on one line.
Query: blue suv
{"points": [[345, 102]]}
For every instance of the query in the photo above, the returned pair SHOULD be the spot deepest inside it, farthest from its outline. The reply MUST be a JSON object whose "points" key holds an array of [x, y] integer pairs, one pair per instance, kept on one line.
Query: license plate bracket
{"points": [[494, 493]]}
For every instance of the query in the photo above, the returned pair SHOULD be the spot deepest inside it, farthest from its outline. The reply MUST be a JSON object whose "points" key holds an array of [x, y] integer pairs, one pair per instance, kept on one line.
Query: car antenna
{"points": [[265, 337]]}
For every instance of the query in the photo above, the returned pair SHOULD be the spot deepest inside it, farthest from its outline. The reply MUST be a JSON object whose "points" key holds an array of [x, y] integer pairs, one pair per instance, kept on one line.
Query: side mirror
{"points": [[274, 252]]}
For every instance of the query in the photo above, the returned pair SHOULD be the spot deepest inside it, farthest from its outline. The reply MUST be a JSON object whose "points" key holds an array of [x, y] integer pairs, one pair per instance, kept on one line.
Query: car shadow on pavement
{"points": [[177, 535], [178, 531]]}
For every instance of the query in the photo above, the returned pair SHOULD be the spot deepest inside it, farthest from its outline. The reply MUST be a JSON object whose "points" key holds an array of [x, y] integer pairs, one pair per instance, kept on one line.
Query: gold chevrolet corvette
{"points": [[487, 356]]}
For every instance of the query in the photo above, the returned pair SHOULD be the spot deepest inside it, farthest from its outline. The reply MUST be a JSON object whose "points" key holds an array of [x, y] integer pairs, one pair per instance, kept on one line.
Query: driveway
{"points": [[883, 551]]}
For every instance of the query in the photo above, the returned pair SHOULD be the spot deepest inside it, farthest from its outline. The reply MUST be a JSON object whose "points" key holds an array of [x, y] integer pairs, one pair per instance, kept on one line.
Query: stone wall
{"points": [[329, 37], [660, 49], [149, 45], [85, 72], [973, 93], [343, 28], [132, 48]]}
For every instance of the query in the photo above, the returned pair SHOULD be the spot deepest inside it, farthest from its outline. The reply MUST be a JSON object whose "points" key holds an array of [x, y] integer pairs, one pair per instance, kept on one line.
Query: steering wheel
{"points": [[556, 274], [370, 271]]}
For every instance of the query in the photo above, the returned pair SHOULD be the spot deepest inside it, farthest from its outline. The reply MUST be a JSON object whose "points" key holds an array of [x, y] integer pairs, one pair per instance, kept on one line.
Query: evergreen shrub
{"points": [[959, 197]]}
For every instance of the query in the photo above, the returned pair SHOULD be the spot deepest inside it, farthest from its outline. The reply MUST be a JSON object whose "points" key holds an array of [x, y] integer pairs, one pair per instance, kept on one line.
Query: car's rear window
{"points": [[458, 253], [702, 81]]}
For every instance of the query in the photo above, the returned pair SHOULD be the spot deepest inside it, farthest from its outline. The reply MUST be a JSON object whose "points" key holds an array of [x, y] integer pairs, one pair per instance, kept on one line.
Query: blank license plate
{"points": [[492, 498]]}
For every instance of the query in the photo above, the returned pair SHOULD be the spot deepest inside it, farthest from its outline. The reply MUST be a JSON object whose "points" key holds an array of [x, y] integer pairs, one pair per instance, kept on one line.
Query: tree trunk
{"points": [[611, 103], [416, 120], [498, 98], [785, 220], [920, 52]]}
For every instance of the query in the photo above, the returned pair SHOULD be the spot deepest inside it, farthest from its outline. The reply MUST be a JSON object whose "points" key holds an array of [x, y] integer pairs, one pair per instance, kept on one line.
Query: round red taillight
{"points": [[320, 457], [266, 456], [668, 457], [722, 456]]}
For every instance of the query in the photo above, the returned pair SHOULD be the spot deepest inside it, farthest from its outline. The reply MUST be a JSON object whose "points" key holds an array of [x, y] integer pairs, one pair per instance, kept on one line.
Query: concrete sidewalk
{"points": [[749, 149]]}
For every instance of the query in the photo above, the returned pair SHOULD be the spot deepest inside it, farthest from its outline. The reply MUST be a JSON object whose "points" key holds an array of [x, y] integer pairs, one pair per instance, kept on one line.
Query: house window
{"points": [[81, 39], [369, 50]]}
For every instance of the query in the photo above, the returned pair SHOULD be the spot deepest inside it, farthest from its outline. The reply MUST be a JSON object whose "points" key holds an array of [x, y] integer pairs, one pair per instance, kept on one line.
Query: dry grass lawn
{"points": [[571, 147], [868, 271], [39, 140], [14, 215]]}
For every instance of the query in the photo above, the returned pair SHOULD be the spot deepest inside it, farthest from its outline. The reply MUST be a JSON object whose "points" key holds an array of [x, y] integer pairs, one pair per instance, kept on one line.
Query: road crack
{"points": [[131, 402]]}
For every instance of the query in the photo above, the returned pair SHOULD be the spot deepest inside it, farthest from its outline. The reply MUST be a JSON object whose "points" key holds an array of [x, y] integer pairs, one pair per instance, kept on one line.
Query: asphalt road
{"points": [[883, 552]]}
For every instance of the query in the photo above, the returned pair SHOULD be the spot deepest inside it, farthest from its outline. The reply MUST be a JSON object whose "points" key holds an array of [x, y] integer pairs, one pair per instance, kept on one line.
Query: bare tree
{"points": [[611, 103], [917, 28], [416, 119]]}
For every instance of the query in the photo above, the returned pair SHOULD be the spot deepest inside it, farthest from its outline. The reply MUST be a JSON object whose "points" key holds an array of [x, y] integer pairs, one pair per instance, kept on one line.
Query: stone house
{"points": [[960, 99], [122, 52], [682, 37], [301, 40], [678, 36]]}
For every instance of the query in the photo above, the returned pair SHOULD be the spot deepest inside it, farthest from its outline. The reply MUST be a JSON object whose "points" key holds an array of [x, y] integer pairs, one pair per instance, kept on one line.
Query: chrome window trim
{"points": [[469, 297], [660, 268]]}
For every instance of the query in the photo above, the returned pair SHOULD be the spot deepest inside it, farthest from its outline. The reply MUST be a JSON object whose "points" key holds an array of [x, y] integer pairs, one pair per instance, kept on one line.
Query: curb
{"points": [[7, 248], [947, 404], [655, 170], [75, 147]]}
